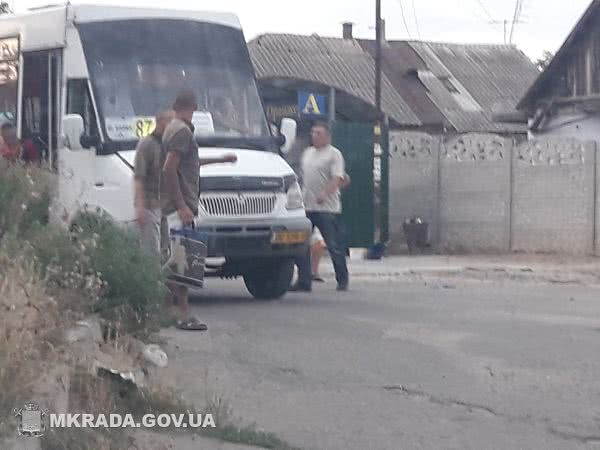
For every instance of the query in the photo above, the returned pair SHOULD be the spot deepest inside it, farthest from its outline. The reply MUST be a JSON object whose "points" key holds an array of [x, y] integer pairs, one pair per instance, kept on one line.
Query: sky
{"points": [[545, 23]]}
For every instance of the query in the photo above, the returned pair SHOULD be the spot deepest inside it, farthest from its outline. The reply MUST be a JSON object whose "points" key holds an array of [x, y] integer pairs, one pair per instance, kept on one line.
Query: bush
{"points": [[24, 197], [135, 284], [97, 258], [54, 250], [35, 213]]}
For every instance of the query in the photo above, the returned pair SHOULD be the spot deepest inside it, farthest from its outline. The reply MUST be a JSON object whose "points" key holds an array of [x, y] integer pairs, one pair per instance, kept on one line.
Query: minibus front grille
{"points": [[237, 204]]}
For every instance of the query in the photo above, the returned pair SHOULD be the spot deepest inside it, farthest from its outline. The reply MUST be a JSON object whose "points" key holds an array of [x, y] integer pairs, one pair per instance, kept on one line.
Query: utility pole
{"points": [[378, 58], [378, 156], [507, 39], [516, 17]]}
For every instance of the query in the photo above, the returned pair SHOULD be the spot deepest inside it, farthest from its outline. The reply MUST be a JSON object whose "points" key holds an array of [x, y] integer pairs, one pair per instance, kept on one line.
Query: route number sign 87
{"points": [[144, 127]]}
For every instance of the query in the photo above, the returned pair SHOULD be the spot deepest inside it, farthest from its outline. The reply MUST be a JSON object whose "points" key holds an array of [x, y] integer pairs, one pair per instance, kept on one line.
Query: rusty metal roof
{"points": [[340, 63]]}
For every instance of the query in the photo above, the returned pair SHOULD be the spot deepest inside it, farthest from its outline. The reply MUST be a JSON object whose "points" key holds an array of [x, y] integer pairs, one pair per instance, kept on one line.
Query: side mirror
{"points": [[288, 130], [88, 141], [72, 131]]}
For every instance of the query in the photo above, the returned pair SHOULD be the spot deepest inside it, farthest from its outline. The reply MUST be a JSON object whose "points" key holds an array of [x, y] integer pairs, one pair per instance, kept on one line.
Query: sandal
{"points": [[318, 279], [191, 324]]}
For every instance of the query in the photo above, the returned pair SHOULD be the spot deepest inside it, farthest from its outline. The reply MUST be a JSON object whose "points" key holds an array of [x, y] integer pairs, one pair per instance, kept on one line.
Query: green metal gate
{"points": [[355, 140]]}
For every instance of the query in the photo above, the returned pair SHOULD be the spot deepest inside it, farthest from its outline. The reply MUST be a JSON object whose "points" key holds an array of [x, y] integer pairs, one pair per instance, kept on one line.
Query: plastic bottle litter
{"points": [[155, 355]]}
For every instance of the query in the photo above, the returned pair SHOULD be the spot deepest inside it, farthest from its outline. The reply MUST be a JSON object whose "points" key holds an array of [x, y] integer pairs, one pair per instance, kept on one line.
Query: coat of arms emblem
{"points": [[32, 421]]}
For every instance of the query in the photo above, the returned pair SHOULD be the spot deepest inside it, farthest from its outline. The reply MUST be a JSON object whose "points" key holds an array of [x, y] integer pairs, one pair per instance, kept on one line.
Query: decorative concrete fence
{"points": [[487, 193]]}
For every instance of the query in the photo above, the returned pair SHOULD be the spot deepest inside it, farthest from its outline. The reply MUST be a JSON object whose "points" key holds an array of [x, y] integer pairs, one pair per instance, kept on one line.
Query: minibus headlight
{"points": [[294, 197]]}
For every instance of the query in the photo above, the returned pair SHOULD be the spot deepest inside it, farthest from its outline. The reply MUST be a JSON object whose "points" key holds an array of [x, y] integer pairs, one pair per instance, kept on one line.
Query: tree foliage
{"points": [[544, 61], [5, 8]]}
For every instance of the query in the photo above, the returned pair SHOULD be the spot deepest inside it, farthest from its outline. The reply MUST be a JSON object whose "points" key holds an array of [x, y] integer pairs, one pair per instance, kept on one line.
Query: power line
{"points": [[404, 19], [486, 11], [516, 17], [491, 20], [416, 19]]}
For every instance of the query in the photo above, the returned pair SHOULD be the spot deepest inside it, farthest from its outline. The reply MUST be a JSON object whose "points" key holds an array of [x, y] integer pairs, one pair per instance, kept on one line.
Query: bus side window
{"points": [[80, 102]]}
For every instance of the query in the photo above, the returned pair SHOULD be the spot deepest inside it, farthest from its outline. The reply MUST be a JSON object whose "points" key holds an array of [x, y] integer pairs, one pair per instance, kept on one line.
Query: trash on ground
{"points": [[155, 355], [84, 330]]}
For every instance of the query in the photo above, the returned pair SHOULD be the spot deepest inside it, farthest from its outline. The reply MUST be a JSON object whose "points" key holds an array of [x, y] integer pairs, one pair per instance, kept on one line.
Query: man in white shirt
{"points": [[323, 173]]}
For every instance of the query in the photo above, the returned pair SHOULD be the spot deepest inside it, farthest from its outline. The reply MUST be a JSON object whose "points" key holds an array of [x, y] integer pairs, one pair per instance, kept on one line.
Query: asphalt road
{"points": [[402, 365]]}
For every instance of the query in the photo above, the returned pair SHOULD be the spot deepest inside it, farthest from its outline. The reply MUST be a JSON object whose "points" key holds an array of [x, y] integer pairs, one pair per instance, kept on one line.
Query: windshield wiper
{"points": [[263, 143]]}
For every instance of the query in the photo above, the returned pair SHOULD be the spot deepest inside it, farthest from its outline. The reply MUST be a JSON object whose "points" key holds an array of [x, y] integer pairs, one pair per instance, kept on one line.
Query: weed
{"points": [[134, 280]]}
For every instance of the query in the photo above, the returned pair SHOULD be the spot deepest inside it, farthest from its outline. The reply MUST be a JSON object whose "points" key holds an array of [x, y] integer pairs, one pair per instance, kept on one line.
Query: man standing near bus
{"points": [[323, 173], [180, 185], [147, 168]]}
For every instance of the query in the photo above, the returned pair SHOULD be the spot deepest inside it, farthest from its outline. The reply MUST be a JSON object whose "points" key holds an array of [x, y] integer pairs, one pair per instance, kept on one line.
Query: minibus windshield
{"points": [[137, 67]]}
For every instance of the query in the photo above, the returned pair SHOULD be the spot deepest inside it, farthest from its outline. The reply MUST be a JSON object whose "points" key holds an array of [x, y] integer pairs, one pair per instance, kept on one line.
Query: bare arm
{"points": [[335, 184], [228, 158], [138, 199], [346, 181], [330, 188], [140, 170]]}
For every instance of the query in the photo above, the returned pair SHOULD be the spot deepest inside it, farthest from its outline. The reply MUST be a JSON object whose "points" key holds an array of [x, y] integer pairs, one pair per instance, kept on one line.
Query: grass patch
{"points": [[153, 402], [115, 395], [248, 435]]}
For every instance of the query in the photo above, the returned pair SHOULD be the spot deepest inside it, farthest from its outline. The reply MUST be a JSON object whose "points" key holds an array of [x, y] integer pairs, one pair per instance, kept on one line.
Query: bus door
{"points": [[40, 117]]}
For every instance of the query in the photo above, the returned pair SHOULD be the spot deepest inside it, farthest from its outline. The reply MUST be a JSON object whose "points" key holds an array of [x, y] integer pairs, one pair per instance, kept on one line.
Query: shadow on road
{"points": [[221, 293]]}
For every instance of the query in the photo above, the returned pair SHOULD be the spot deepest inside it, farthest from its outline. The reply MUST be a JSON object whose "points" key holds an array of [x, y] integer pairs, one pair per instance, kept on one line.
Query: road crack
{"points": [[568, 435], [444, 401], [553, 429]]}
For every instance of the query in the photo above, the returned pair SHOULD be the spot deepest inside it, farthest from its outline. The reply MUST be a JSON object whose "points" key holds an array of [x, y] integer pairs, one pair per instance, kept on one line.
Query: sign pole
{"points": [[378, 57], [331, 106]]}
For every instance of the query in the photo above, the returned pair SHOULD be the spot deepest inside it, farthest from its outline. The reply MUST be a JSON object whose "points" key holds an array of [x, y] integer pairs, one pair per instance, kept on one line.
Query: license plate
{"points": [[289, 237]]}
